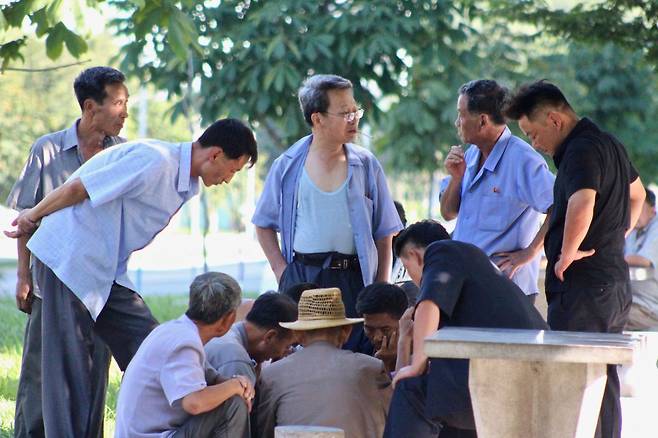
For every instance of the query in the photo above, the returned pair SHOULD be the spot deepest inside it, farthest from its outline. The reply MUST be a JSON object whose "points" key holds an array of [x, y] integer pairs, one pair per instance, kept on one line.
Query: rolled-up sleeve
{"points": [[182, 374], [386, 220], [269, 204]]}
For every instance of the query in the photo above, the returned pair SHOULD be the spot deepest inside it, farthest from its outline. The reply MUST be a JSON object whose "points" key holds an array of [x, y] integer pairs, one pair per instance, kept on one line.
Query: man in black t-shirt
{"points": [[598, 197], [459, 287]]}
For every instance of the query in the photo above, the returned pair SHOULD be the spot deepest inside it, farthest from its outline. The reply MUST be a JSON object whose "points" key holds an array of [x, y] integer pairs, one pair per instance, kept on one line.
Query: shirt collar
{"points": [[71, 136], [301, 148], [496, 153], [185, 181], [582, 125]]}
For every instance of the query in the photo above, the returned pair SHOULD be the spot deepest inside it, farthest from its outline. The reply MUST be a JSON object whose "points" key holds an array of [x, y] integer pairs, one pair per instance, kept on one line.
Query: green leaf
{"points": [[3, 21], [75, 44], [41, 19], [55, 41]]}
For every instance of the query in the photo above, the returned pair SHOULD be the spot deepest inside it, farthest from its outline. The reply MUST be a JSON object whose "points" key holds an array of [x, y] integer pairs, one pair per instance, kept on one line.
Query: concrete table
{"points": [[308, 432], [534, 383]]}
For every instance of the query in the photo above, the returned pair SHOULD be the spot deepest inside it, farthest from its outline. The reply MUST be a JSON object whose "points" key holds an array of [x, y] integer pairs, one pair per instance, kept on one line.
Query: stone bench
{"points": [[534, 383], [308, 432]]}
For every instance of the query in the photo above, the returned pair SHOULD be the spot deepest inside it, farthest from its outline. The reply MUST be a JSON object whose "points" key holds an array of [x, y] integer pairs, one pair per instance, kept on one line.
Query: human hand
{"points": [[406, 324], [245, 390], [388, 350], [24, 295], [24, 225], [454, 163], [564, 261], [510, 262], [407, 372]]}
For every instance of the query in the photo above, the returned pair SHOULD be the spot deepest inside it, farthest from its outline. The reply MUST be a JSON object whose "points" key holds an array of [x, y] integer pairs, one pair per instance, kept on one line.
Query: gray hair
{"points": [[313, 96], [213, 295]]}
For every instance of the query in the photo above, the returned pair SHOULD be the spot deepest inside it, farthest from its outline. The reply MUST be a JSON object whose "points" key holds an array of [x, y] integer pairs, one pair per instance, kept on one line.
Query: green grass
{"points": [[12, 327]]}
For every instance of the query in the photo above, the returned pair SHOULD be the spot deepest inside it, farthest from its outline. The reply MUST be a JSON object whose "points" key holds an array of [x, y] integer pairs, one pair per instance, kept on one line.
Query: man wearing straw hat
{"points": [[322, 385]]}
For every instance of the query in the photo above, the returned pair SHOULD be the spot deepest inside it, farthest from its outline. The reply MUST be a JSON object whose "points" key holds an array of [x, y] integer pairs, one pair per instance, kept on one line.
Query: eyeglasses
{"points": [[348, 116]]}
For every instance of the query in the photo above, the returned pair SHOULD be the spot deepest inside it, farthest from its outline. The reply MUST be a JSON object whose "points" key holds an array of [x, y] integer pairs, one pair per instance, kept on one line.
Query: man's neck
{"points": [[254, 336], [325, 148], [90, 138], [489, 141]]}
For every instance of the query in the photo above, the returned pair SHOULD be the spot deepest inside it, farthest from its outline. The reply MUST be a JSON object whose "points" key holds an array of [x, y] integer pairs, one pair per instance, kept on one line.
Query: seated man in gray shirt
{"points": [[169, 391], [259, 338]]}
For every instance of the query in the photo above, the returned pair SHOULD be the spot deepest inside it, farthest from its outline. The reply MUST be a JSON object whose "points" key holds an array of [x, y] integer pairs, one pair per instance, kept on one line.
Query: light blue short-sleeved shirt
{"points": [[134, 190], [501, 204], [371, 209], [169, 365]]}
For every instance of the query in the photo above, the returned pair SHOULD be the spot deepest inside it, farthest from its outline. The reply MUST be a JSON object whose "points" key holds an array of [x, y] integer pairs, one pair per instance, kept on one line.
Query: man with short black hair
{"points": [[498, 188], [459, 287], [113, 205], [382, 305], [598, 199], [168, 390], [329, 200], [641, 254], [255, 340], [103, 98]]}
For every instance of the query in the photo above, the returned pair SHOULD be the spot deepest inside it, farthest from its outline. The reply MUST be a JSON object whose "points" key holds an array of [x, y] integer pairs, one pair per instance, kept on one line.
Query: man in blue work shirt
{"points": [[498, 189], [113, 205], [329, 200]]}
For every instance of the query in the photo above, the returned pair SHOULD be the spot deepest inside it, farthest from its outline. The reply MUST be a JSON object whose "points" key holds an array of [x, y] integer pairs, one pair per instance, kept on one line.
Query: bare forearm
{"points": [[580, 211], [384, 258], [451, 199], [210, 397], [426, 322], [638, 261], [23, 256], [637, 195], [68, 194], [270, 244], [538, 242]]}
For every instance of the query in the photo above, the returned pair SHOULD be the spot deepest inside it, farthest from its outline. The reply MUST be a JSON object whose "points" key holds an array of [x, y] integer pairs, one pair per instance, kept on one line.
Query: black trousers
{"points": [[410, 415], [595, 309], [68, 350], [350, 283], [28, 419]]}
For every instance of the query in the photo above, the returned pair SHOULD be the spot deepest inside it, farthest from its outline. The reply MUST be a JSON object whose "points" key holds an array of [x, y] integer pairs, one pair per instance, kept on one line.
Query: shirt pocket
{"points": [[493, 212]]}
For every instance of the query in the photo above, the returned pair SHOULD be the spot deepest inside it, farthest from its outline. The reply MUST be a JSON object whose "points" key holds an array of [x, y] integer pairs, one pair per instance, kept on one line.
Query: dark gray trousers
{"points": [[28, 419], [228, 420], [68, 350], [350, 283]]}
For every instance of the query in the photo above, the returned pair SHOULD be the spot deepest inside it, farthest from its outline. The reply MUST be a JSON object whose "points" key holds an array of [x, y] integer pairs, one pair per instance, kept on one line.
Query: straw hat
{"points": [[320, 308]]}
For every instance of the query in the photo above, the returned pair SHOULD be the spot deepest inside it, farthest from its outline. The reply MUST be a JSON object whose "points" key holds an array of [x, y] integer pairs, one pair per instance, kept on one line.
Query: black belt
{"points": [[338, 261]]}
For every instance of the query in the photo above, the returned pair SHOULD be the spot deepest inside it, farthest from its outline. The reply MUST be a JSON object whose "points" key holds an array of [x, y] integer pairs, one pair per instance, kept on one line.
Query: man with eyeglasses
{"points": [[329, 200]]}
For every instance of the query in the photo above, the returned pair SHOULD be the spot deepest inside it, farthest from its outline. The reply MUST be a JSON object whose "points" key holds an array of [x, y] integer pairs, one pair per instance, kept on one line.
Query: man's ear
{"points": [[270, 335], [316, 119], [554, 120], [89, 105], [216, 153]]}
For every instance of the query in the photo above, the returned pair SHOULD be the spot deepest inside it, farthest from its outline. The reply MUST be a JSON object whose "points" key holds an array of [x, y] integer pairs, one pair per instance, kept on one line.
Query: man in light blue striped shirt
{"points": [[113, 205]]}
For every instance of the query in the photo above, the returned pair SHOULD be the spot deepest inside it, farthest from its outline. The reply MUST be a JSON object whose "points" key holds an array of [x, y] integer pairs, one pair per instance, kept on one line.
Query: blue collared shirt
{"points": [[502, 202], [134, 190], [371, 209]]}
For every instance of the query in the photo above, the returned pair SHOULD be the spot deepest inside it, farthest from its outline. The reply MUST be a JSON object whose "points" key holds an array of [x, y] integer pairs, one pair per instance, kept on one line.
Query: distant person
{"points": [[459, 287], [322, 385], [499, 188], [103, 98], [382, 306], [641, 254], [329, 201], [598, 197], [168, 390], [255, 340], [113, 205]]}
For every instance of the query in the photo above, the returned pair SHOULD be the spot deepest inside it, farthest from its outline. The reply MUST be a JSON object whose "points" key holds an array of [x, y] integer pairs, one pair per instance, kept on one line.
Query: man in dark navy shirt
{"points": [[598, 198], [459, 287]]}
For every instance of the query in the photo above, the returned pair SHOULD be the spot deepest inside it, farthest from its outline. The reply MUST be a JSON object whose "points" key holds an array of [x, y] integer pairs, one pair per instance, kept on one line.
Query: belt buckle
{"points": [[342, 265]]}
